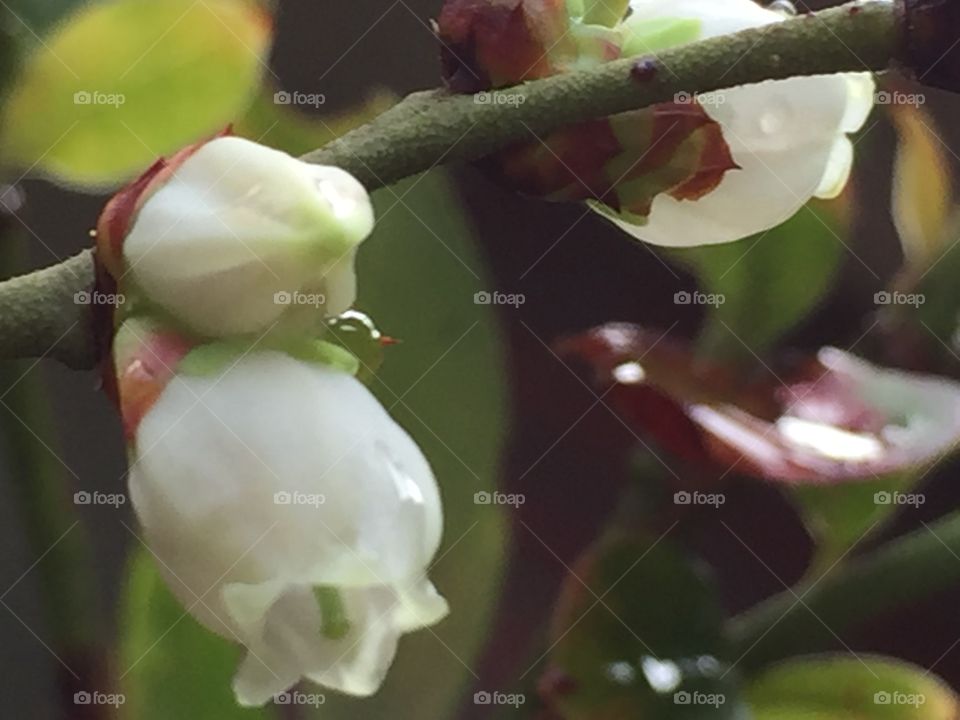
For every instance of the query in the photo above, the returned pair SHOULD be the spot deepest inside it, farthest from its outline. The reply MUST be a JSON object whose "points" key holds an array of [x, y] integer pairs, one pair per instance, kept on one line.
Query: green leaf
{"points": [[788, 268], [285, 127], [922, 186], [170, 666], [604, 12], [649, 36], [847, 688], [125, 81], [33, 19], [652, 648], [444, 383], [838, 516]]}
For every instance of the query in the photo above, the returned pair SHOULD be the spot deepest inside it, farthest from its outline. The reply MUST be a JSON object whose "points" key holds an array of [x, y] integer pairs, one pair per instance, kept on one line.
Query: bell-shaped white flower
{"points": [[789, 137], [233, 235], [291, 514]]}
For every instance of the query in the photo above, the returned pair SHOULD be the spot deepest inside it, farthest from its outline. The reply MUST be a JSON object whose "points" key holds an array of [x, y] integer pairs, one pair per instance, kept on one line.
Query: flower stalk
{"points": [[433, 127]]}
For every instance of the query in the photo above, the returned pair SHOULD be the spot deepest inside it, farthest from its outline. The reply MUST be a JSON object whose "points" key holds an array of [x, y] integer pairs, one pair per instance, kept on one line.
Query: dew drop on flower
{"points": [[771, 122], [407, 488], [342, 203]]}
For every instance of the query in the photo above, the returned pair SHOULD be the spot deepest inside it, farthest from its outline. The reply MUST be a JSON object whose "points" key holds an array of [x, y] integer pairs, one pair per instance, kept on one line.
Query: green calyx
{"points": [[215, 357], [356, 334], [334, 623], [603, 12]]}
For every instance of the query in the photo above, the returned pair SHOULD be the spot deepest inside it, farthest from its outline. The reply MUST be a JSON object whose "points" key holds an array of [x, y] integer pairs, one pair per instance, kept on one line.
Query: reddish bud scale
{"points": [[144, 374], [120, 212], [130, 395], [567, 166], [575, 163], [715, 160], [671, 148], [493, 43]]}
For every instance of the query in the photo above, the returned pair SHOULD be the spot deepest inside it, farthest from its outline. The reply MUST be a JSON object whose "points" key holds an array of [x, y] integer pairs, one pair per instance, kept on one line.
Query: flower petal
{"points": [[236, 224], [783, 135], [275, 476]]}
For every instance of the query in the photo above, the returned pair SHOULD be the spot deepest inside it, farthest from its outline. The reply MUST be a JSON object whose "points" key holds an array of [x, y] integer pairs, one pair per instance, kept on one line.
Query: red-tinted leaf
{"points": [[825, 419]]}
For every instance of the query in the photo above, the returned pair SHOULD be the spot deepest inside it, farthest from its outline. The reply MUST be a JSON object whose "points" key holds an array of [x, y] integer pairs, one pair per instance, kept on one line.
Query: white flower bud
{"points": [[228, 234], [789, 137], [291, 514]]}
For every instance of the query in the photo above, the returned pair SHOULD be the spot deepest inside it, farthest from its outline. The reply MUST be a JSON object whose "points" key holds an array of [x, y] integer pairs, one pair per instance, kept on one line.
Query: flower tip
{"points": [[346, 199]]}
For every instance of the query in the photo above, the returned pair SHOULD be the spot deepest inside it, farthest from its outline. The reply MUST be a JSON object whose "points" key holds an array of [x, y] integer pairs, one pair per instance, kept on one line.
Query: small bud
{"points": [[217, 234]]}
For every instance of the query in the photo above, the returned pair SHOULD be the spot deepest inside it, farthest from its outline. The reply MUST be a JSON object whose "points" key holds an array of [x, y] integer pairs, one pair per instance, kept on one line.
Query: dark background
{"points": [[587, 275]]}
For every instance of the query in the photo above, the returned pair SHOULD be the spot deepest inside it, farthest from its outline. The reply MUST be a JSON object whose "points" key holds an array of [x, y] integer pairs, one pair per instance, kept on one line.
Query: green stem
{"points": [[64, 567], [40, 317], [902, 572], [433, 127]]}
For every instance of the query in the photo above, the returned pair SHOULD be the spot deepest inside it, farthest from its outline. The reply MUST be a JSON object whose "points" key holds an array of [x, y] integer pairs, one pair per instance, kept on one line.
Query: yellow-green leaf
{"points": [[124, 81], [849, 688], [922, 185]]}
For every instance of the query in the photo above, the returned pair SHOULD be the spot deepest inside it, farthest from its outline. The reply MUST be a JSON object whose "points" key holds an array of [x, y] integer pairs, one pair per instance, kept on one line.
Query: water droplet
{"points": [[629, 373], [708, 665], [621, 673], [664, 676], [11, 199], [342, 203], [407, 488], [784, 7], [771, 122]]}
